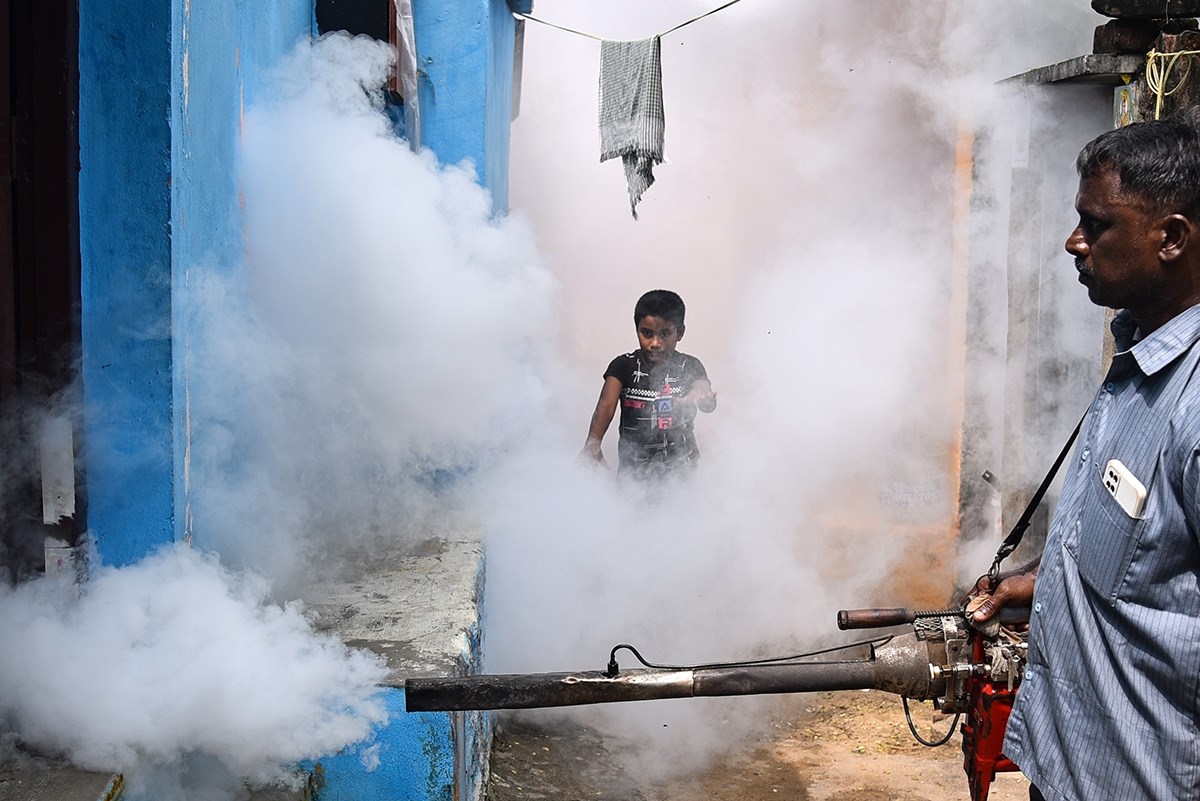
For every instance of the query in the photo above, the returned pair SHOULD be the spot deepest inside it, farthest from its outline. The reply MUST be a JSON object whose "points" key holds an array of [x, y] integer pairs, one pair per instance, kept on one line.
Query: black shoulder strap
{"points": [[1018, 531]]}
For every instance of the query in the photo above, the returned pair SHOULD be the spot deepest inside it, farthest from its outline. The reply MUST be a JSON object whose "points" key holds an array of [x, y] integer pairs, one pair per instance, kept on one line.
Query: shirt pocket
{"points": [[1107, 541]]}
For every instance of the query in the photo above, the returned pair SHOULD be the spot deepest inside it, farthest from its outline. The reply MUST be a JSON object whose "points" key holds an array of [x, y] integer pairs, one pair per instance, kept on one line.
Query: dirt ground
{"points": [[842, 746]]}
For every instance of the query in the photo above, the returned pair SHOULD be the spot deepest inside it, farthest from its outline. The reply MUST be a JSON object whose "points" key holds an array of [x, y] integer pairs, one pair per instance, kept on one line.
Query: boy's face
{"points": [[658, 338]]}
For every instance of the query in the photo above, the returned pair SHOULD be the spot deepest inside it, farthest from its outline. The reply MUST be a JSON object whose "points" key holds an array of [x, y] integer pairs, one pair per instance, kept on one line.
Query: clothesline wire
{"points": [[601, 39], [702, 16], [560, 27]]}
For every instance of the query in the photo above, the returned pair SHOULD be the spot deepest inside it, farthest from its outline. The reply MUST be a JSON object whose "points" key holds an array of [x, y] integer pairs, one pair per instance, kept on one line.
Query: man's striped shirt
{"points": [[1108, 708]]}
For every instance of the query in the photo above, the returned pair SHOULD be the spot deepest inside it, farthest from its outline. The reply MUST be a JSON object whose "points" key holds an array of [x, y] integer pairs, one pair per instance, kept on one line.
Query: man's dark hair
{"points": [[1159, 160], [659, 303]]}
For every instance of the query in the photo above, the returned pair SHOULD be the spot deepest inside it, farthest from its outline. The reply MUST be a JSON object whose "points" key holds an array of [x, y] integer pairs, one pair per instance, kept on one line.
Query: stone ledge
{"points": [[1102, 68], [419, 609]]}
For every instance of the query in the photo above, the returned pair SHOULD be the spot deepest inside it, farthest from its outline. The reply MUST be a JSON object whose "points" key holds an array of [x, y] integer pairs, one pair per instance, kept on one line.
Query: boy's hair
{"points": [[659, 303], [1159, 160]]}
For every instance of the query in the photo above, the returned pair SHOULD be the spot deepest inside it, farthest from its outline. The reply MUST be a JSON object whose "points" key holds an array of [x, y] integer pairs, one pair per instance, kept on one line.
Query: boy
{"points": [[658, 390]]}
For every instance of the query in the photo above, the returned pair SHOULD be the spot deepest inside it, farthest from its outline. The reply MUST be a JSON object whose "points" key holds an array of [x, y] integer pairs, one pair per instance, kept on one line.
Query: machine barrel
{"points": [[900, 665], [882, 617]]}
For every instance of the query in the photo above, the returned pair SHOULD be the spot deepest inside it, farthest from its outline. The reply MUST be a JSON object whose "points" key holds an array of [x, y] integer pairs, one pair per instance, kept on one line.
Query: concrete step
{"points": [[32, 778], [420, 610], [35, 778]]}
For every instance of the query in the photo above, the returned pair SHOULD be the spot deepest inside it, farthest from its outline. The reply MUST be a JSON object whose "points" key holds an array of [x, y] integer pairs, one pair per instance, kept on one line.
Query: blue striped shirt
{"points": [[1109, 707]]}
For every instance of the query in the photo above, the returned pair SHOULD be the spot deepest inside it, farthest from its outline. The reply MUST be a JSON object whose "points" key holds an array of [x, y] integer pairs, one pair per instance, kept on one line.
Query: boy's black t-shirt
{"points": [[655, 432]]}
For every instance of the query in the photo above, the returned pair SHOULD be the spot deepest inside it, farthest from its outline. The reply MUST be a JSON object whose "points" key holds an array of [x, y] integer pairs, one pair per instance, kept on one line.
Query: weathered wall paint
{"points": [[465, 58], [412, 758]]}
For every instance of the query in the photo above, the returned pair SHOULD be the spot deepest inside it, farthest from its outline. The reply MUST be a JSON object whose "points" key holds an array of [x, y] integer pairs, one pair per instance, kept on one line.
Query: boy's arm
{"points": [[702, 395], [606, 407]]}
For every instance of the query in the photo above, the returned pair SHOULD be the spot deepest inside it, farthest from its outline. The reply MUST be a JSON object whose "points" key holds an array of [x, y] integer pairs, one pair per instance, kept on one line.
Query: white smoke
{"points": [[384, 340], [177, 662]]}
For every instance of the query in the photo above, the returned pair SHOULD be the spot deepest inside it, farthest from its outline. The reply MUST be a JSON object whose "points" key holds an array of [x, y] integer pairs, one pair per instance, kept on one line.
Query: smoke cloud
{"points": [[386, 337], [178, 665]]}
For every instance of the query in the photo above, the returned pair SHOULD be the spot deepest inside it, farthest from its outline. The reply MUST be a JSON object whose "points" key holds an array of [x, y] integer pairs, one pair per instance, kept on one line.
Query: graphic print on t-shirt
{"points": [[652, 429]]}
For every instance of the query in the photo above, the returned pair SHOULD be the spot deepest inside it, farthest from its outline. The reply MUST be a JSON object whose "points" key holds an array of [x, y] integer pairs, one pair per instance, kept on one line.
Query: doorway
{"points": [[39, 280]]}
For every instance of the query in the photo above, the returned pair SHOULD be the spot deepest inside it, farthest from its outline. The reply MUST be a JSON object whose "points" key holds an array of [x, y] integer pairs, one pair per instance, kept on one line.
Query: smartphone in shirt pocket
{"points": [[1124, 486], [1112, 527]]}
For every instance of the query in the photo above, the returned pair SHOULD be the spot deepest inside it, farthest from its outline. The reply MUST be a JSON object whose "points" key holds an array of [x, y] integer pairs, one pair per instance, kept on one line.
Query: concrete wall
{"points": [[1055, 334]]}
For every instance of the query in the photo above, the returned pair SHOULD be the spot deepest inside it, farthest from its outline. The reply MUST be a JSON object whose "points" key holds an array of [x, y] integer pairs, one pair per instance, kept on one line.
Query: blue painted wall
{"points": [[413, 759], [417, 756], [125, 217], [222, 54], [161, 88], [465, 55]]}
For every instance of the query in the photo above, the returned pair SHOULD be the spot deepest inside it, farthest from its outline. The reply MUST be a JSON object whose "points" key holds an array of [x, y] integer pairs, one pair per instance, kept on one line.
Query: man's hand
{"points": [[1013, 589]]}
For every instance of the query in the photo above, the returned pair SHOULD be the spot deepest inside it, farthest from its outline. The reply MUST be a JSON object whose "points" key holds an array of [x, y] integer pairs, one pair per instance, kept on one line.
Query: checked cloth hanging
{"points": [[631, 111]]}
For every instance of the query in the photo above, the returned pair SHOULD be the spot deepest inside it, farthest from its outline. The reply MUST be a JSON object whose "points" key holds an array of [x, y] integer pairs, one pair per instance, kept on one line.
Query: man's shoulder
{"points": [[1162, 347]]}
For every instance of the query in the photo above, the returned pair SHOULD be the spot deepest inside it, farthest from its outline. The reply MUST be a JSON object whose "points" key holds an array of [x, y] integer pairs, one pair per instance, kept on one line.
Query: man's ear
{"points": [[1177, 234], [682, 328]]}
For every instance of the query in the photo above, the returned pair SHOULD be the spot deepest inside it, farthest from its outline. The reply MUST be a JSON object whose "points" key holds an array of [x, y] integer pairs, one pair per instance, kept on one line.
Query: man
{"points": [[1109, 707]]}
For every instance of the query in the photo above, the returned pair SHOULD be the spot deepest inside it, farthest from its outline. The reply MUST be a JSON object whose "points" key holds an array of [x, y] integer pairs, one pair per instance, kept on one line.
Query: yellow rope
{"points": [[1158, 72]]}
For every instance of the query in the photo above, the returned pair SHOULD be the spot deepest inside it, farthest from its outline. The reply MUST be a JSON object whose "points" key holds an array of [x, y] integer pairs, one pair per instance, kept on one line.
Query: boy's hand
{"points": [[701, 396], [592, 452]]}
